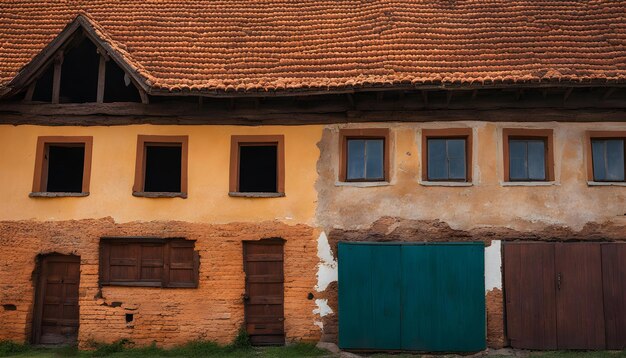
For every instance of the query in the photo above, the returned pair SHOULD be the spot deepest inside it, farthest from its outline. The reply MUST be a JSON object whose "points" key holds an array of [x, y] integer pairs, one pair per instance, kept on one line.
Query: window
{"points": [[62, 166], [148, 262], [161, 169], [364, 155], [528, 154], [447, 154], [257, 167], [607, 156]]}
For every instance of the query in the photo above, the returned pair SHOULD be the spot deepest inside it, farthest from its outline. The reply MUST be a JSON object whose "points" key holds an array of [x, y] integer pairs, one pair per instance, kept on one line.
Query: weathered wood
{"points": [[299, 118], [29, 93], [56, 78], [101, 79], [567, 93], [608, 93]]}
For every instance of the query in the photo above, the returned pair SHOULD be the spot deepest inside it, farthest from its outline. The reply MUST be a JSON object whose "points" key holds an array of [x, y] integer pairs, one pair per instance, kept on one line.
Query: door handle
{"points": [[558, 281]]}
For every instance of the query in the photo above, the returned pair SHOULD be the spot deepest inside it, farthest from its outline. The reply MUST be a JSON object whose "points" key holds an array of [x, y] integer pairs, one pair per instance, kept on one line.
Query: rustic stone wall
{"points": [[213, 311]]}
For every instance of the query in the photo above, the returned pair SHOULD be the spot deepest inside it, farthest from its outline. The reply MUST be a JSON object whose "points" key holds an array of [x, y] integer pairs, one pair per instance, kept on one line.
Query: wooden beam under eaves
{"points": [[567, 93], [30, 91], [608, 93]]}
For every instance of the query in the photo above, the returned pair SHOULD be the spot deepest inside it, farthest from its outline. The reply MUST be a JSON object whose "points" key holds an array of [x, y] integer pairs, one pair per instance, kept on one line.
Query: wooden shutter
{"points": [[123, 262], [151, 264], [183, 264]]}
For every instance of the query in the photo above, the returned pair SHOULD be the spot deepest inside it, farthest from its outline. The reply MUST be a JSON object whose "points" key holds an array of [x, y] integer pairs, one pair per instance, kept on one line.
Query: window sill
{"points": [[46, 194], [606, 183], [446, 183], [157, 194], [236, 194], [362, 184], [529, 183]]}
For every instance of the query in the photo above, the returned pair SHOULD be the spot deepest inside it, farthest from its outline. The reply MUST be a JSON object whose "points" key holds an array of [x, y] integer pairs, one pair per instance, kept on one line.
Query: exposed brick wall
{"points": [[213, 311]]}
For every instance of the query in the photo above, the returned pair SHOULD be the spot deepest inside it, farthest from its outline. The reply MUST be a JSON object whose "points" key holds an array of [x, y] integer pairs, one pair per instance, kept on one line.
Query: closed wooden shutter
{"points": [[155, 263], [183, 264]]}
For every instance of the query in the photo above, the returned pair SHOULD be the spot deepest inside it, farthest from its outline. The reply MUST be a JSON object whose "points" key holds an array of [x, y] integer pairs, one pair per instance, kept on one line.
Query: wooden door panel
{"points": [[614, 283], [57, 297], [580, 314], [530, 295], [264, 302]]}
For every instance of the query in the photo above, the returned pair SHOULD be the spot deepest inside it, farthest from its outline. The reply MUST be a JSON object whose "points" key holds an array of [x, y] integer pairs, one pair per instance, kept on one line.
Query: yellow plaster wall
{"points": [[113, 170]]}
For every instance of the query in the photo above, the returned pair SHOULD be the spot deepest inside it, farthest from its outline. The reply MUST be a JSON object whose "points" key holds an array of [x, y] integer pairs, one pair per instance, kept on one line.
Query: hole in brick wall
{"points": [[9, 307], [129, 317], [116, 304]]}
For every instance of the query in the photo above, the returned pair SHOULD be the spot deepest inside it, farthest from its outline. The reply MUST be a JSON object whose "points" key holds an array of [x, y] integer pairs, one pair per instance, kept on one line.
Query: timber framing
{"points": [[82, 27], [586, 104]]}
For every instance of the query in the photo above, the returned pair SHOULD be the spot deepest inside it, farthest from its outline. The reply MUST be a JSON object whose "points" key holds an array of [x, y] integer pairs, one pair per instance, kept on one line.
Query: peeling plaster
{"points": [[493, 266], [323, 309], [327, 267]]}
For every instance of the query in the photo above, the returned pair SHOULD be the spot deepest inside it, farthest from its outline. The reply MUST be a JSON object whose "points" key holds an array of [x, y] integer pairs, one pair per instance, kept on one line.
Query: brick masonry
{"points": [[213, 311]]}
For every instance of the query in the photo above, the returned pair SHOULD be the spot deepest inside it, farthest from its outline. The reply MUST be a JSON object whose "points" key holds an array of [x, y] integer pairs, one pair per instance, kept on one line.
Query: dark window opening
{"points": [[258, 168], [65, 168], [79, 74], [365, 159], [43, 87], [527, 159], [608, 159], [117, 86], [163, 168], [129, 317], [447, 159]]}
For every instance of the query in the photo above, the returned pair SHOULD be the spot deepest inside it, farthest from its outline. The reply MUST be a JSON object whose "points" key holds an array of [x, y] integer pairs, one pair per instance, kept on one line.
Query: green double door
{"points": [[415, 297]]}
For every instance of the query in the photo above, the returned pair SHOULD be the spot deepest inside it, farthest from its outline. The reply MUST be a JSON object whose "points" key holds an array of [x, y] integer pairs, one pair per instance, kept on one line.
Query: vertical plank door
{"points": [[57, 302], [369, 296], [529, 280], [614, 282], [443, 297], [580, 313], [264, 296]]}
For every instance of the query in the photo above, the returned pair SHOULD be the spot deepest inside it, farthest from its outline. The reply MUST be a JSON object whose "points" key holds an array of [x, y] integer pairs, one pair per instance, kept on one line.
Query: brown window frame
{"points": [[448, 133], [143, 141], [41, 165], [104, 277], [236, 141], [363, 133], [547, 135], [590, 135]]}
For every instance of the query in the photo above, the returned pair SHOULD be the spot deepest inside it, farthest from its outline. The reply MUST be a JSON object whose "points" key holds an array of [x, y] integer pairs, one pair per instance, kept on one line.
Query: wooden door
{"points": [[530, 296], [264, 296], [614, 282], [579, 297], [56, 310]]}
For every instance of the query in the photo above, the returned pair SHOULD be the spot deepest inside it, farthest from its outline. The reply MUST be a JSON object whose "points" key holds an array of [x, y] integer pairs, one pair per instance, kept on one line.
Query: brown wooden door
{"points": [[264, 297], [579, 301], [530, 295], [614, 281], [56, 315]]}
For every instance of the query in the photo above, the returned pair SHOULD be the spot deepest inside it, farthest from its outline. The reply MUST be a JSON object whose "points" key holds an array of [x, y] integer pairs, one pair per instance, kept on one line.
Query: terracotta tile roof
{"points": [[261, 45]]}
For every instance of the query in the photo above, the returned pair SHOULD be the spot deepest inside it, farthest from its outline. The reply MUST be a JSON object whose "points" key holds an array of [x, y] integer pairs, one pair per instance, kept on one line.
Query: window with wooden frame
{"points": [[148, 262], [364, 155], [528, 154], [161, 167], [257, 166], [447, 155], [62, 166], [606, 156]]}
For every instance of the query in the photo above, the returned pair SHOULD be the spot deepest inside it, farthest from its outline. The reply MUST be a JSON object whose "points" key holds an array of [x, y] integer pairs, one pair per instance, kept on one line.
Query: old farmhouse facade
{"points": [[386, 175]]}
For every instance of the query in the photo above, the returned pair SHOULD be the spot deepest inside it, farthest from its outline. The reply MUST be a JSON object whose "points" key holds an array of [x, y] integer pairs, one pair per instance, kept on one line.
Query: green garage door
{"points": [[419, 297]]}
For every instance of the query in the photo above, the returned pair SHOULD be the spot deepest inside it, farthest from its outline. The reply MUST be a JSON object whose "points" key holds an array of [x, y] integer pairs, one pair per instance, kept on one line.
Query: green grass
{"points": [[124, 349]]}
